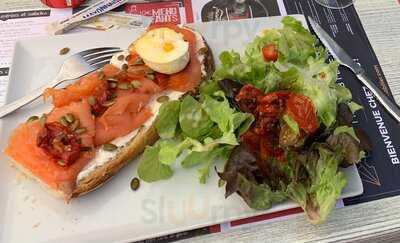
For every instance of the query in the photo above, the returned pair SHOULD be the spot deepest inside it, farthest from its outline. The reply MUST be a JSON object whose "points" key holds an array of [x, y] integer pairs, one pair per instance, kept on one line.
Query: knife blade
{"points": [[345, 59]]}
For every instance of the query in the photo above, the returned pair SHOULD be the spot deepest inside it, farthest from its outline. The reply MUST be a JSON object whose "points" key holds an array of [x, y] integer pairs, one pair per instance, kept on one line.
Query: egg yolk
{"points": [[168, 47]]}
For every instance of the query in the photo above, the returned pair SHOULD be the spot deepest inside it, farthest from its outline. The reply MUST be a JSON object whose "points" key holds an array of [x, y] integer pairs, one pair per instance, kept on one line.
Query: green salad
{"points": [[199, 130], [301, 67], [278, 118]]}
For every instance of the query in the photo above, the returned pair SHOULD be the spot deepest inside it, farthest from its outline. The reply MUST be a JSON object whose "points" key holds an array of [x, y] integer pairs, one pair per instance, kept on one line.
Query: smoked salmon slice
{"points": [[127, 114], [110, 70], [81, 110], [146, 86], [22, 148], [130, 123], [89, 85]]}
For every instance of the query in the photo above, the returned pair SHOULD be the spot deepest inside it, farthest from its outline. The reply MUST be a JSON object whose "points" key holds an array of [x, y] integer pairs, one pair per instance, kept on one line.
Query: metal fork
{"points": [[73, 67]]}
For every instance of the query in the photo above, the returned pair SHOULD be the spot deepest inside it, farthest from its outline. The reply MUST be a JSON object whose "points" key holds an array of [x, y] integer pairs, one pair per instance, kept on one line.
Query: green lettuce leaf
{"points": [[354, 106], [150, 168], [167, 119], [195, 158], [219, 111], [170, 149], [327, 184], [209, 87], [346, 129], [206, 159], [345, 138], [296, 44], [258, 196], [298, 193], [242, 122], [343, 94], [193, 120], [318, 194], [291, 123], [228, 120]]}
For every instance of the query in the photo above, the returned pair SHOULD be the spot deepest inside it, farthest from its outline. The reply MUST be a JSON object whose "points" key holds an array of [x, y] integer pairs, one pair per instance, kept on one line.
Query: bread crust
{"points": [[105, 172], [135, 147]]}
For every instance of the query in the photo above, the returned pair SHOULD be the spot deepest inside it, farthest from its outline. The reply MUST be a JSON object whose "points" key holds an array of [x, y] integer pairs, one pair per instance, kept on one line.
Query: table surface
{"points": [[365, 222]]}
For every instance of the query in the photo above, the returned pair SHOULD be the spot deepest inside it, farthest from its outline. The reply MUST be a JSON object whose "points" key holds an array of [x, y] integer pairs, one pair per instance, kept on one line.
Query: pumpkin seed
{"points": [[120, 57], [85, 149], [150, 76], [61, 162], [112, 84], [63, 121], [68, 148], [42, 120], [32, 118], [136, 84], [135, 184], [149, 71], [124, 86], [75, 125], [113, 96], [138, 61], [58, 146], [101, 75], [81, 130], [127, 58], [162, 99], [124, 67], [70, 117], [110, 79], [221, 183], [92, 100], [58, 138], [109, 147], [109, 103], [64, 51]]}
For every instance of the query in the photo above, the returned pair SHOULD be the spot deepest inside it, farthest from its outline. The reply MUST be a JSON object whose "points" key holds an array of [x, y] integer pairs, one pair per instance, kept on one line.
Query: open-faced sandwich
{"points": [[106, 118]]}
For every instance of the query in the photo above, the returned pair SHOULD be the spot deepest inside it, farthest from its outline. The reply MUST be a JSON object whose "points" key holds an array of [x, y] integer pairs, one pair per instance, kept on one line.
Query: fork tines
{"points": [[98, 56]]}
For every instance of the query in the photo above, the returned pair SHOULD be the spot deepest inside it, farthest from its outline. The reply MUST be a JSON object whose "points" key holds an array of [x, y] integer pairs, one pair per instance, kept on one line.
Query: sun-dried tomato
{"points": [[252, 139], [59, 142], [248, 98], [263, 136], [302, 110], [273, 104]]}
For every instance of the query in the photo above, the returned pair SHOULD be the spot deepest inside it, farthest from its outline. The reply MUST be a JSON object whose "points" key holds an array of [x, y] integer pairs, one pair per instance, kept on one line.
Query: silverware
{"points": [[73, 67], [344, 59], [97, 8]]}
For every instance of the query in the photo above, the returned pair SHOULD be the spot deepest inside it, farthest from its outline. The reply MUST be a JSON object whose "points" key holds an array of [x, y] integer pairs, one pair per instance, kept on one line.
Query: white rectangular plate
{"points": [[114, 213]]}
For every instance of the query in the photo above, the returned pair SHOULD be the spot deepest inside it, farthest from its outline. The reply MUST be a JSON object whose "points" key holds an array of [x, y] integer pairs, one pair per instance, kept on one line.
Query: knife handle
{"points": [[381, 96]]}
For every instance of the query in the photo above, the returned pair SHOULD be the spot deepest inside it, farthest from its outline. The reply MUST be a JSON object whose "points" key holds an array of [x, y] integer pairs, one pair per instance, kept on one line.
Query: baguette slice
{"points": [[145, 136]]}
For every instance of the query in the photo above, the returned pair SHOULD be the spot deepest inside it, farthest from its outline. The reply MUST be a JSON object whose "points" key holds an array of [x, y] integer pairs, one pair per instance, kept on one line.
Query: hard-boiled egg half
{"points": [[163, 50]]}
